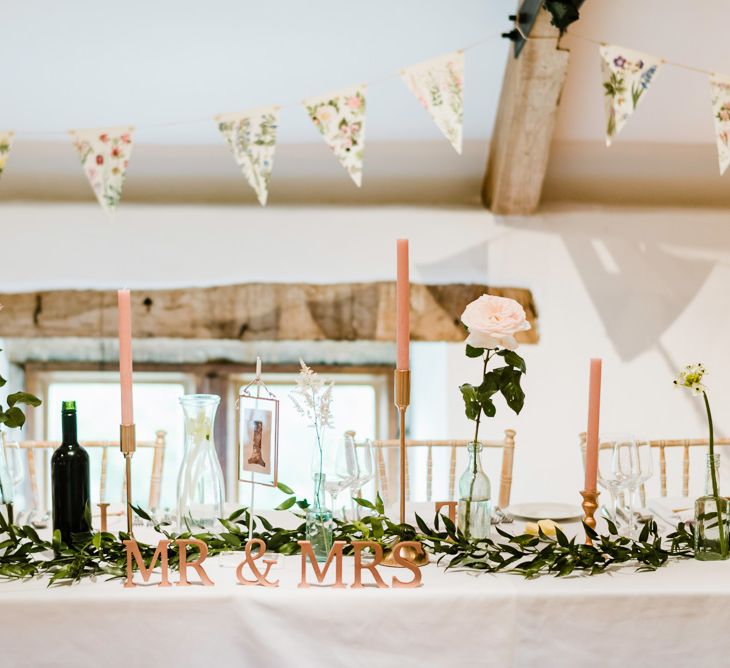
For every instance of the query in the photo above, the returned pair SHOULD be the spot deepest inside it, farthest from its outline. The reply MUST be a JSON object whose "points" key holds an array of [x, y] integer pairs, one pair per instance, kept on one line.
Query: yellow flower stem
{"points": [[713, 479]]}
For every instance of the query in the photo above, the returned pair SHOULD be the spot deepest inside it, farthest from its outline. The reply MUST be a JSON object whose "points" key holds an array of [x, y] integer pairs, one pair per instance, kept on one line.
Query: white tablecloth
{"points": [[677, 616]]}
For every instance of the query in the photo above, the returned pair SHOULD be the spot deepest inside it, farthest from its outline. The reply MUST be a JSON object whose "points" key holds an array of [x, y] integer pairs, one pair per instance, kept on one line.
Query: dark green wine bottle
{"points": [[70, 484]]}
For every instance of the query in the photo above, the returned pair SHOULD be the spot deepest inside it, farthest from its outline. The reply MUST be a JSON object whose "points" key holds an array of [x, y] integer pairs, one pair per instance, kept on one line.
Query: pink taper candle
{"points": [[403, 326], [594, 412], [125, 354]]}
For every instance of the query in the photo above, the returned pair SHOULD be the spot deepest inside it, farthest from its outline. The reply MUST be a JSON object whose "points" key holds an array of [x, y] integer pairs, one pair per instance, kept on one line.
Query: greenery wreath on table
{"points": [[24, 554]]}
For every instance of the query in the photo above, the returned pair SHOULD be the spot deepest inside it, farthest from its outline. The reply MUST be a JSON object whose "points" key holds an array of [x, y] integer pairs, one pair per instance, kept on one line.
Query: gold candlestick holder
{"points": [[402, 379], [402, 393], [590, 505], [128, 444]]}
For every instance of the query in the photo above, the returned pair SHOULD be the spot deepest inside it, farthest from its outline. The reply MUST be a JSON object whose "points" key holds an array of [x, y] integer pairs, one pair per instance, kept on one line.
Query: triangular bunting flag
{"points": [[105, 155], [720, 96], [438, 85], [627, 75], [6, 143], [252, 138], [340, 117]]}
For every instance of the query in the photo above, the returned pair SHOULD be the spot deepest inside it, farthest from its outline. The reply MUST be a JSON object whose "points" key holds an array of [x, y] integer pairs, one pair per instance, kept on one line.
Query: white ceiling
{"points": [[83, 64]]}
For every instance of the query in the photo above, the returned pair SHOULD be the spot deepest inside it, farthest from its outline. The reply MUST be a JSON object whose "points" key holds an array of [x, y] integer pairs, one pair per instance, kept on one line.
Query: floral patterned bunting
{"points": [[6, 143], [720, 96], [105, 156], [340, 117], [627, 75], [252, 138], [438, 84]]}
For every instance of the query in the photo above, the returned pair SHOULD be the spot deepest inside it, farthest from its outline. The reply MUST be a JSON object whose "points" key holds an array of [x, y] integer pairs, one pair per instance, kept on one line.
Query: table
{"points": [[677, 616]]}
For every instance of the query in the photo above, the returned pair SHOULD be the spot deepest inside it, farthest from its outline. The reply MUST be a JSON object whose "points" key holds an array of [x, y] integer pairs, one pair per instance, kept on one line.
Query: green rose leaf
{"points": [[2, 381], [488, 407], [512, 359], [511, 389], [474, 352], [490, 385], [471, 401], [23, 398]]}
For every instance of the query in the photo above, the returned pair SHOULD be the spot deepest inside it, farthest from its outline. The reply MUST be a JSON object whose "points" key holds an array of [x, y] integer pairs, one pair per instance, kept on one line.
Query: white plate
{"points": [[545, 511]]}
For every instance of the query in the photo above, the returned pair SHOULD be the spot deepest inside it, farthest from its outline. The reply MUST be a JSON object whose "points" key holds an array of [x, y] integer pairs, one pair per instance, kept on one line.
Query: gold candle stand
{"points": [[590, 505], [402, 379], [128, 444]]}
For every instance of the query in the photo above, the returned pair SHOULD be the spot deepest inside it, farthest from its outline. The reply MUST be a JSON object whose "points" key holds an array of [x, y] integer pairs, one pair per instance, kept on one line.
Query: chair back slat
{"points": [[102, 482], [663, 470], [685, 471], [505, 485], [33, 479], [507, 445], [429, 473], [452, 472], [382, 477]]}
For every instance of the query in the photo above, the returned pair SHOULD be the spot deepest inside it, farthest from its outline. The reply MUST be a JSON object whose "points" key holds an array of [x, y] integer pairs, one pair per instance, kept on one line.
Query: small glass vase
{"points": [[200, 490], [711, 544], [474, 517], [319, 521]]}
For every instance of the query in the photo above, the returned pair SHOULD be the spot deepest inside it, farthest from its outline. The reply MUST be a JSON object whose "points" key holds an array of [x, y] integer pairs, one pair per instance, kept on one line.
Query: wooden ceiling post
{"points": [[528, 105]]}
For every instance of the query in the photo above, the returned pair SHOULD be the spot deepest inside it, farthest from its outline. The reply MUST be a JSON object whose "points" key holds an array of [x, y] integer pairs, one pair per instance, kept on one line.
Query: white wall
{"points": [[644, 289]]}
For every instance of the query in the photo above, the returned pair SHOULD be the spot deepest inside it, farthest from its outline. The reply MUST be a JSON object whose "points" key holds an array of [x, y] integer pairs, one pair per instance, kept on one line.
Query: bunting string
{"points": [[339, 116]]}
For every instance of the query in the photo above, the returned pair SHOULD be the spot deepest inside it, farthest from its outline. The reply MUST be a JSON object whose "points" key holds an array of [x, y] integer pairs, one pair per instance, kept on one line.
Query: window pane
{"points": [[156, 407]]}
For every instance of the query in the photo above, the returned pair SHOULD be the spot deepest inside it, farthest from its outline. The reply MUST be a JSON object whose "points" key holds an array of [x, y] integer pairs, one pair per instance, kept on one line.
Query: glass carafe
{"points": [[711, 535], [200, 491], [474, 517]]}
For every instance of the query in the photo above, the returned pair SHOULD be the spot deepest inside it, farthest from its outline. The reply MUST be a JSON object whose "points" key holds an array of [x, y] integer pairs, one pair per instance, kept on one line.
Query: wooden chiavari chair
{"points": [[34, 451], [382, 478]]}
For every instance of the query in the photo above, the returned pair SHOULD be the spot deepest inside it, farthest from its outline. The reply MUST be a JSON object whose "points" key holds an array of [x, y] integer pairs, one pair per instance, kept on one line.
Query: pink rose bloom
{"points": [[494, 321], [353, 102]]}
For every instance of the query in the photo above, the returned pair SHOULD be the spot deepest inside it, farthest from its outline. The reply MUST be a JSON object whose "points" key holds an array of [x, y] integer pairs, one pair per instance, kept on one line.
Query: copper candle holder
{"points": [[590, 505], [128, 444]]}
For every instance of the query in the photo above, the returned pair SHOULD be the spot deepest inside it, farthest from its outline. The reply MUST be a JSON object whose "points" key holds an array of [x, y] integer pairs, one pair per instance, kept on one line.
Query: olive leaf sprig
{"points": [[23, 554]]}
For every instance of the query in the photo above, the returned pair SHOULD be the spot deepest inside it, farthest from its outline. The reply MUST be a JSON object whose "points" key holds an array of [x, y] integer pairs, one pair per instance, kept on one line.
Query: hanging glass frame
{"points": [[258, 435]]}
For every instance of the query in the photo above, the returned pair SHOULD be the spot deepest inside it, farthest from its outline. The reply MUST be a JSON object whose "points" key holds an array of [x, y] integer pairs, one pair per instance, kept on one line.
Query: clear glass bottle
{"points": [[711, 535], [200, 490], [319, 522], [474, 517]]}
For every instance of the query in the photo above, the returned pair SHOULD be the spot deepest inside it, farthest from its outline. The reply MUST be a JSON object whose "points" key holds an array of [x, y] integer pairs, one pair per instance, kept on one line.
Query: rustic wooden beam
{"points": [[254, 312], [528, 106]]}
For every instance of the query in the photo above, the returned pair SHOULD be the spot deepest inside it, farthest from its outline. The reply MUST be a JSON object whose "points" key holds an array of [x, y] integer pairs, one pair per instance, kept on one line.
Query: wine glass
{"points": [[339, 466], [366, 471], [627, 474], [606, 476]]}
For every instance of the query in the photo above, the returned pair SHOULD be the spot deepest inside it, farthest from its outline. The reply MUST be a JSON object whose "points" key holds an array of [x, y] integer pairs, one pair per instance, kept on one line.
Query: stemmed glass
{"points": [[339, 466], [366, 472], [606, 475], [627, 475]]}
